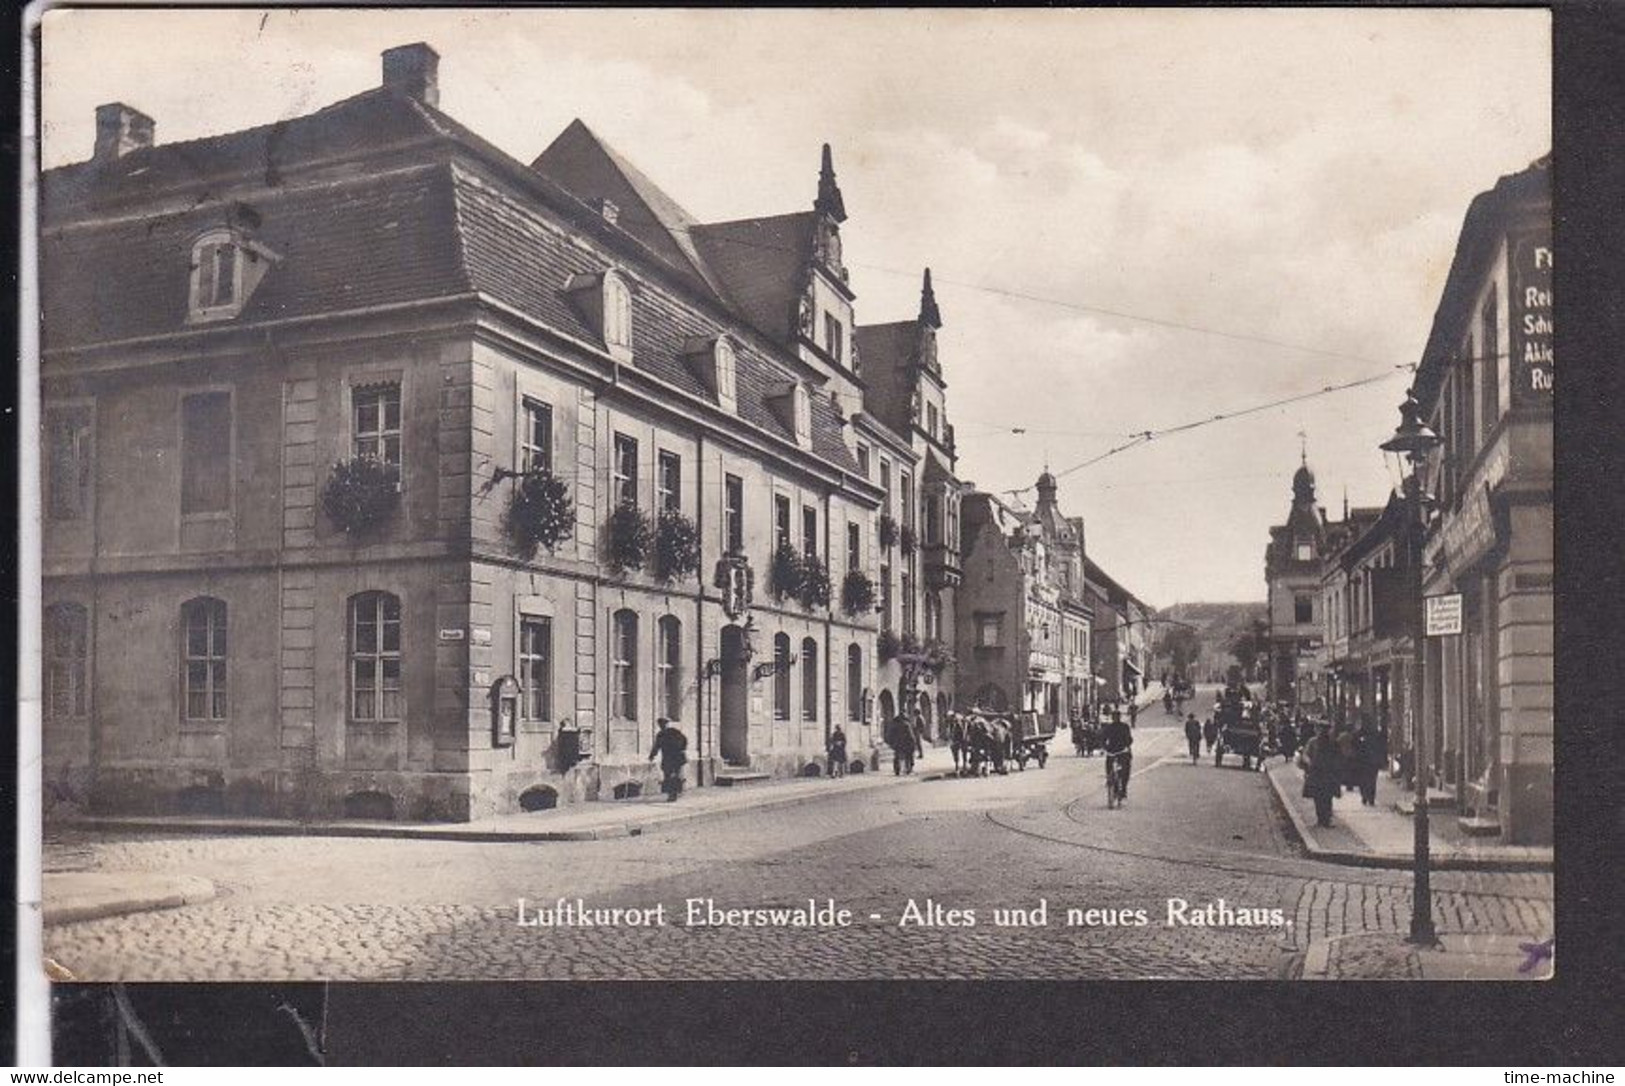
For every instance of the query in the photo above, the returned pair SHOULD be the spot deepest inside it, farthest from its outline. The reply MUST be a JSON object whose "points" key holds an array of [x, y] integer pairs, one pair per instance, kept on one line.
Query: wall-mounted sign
{"points": [[1530, 348], [1443, 614], [482, 678], [481, 635], [451, 635]]}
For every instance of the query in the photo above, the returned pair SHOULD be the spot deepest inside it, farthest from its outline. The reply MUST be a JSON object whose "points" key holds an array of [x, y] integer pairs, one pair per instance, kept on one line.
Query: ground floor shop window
{"points": [[375, 657]]}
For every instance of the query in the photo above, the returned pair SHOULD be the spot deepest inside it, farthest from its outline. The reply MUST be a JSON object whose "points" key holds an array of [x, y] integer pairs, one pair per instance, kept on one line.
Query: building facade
{"points": [[1292, 573], [1485, 385], [386, 475], [1122, 636], [910, 444], [1024, 637], [1368, 609]]}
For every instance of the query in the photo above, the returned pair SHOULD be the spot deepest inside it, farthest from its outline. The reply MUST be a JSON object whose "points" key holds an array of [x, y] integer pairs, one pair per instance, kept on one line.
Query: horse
{"points": [[989, 743]]}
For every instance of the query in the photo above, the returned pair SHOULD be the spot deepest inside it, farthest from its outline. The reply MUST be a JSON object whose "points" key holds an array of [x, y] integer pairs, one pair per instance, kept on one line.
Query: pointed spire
{"points": [[1345, 502], [929, 313], [829, 200]]}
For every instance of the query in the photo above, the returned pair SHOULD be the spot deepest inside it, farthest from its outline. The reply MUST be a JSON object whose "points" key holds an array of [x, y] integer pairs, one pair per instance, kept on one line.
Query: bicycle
{"points": [[1116, 779]]}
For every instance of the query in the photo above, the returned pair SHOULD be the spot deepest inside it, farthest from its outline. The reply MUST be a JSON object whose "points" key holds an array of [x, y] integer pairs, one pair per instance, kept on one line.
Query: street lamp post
{"points": [[1412, 443]]}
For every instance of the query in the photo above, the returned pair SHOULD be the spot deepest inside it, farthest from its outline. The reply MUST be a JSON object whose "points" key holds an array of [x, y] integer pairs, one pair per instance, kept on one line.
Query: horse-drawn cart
{"points": [[1240, 733]]}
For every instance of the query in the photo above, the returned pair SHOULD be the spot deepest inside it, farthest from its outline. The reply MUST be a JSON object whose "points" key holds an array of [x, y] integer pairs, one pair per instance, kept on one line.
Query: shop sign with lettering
{"points": [[1443, 614], [1530, 348]]}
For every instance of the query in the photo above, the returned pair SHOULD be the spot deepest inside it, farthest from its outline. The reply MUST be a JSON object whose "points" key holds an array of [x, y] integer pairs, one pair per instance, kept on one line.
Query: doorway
{"points": [[733, 707]]}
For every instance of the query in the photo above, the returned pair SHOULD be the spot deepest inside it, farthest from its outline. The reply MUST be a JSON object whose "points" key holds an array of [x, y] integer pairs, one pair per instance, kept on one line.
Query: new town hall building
{"points": [[386, 475]]}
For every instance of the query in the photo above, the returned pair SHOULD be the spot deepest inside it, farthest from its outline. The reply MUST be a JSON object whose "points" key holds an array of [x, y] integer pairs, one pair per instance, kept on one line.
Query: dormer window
{"points": [[724, 362], [225, 270], [1305, 552], [801, 405], [617, 315]]}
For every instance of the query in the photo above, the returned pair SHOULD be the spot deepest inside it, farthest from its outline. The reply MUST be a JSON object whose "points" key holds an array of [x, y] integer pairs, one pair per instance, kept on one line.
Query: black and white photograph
{"points": [[701, 495]]}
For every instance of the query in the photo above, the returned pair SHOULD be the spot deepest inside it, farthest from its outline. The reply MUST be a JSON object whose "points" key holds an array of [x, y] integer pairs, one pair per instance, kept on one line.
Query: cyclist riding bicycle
{"points": [[1118, 742]]}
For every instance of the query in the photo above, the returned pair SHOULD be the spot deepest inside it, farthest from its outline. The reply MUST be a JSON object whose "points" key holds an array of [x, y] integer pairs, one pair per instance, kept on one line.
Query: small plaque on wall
{"points": [[481, 635], [451, 635]]}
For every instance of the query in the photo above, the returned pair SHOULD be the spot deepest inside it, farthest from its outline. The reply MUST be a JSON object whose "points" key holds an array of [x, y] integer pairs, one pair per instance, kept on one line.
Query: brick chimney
{"points": [[120, 130], [414, 70]]}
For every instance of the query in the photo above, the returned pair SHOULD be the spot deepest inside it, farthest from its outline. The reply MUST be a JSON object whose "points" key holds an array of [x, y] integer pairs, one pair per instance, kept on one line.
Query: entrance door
{"points": [[734, 706]]}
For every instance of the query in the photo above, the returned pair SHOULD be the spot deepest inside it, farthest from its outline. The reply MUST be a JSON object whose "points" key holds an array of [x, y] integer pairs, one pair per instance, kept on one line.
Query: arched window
{"points": [[781, 677], [801, 405], [854, 683], [203, 659], [617, 313], [623, 665], [375, 657], [809, 679], [67, 653], [217, 275], [668, 667]]}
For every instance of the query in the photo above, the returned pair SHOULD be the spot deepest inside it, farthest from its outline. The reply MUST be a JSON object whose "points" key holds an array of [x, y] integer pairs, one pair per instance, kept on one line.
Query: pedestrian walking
{"points": [[1322, 775], [1289, 740], [1371, 747], [1210, 732], [835, 747], [1193, 737], [900, 737], [671, 745]]}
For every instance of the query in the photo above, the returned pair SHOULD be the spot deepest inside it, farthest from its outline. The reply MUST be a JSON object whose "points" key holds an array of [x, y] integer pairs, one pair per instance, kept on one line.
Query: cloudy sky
{"points": [[1135, 219]]}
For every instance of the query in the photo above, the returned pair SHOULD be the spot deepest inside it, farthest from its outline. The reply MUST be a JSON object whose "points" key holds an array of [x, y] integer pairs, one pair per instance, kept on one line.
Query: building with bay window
{"points": [[387, 475]]}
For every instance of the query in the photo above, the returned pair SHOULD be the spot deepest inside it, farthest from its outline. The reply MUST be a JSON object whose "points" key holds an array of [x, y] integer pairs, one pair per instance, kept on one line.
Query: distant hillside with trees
{"points": [[1205, 639]]}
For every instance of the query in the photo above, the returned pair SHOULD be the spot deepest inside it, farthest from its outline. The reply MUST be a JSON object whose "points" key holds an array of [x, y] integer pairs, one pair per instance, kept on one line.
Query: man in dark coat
{"points": [[1372, 750], [1193, 737], [836, 748], [900, 737], [672, 747], [1322, 773], [1210, 732]]}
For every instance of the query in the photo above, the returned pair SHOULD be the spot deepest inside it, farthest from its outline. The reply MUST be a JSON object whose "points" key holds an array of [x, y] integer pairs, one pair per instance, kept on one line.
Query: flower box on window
{"points": [[542, 513], [629, 538], [857, 593], [676, 546], [361, 493]]}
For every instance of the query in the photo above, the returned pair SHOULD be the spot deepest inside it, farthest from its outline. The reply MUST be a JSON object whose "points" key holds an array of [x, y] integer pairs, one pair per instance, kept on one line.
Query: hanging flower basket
{"points": [[857, 593], [361, 493], [677, 546], [786, 572], [815, 586], [887, 646], [888, 531], [938, 657], [542, 513], [629, 539], [905, 539]]}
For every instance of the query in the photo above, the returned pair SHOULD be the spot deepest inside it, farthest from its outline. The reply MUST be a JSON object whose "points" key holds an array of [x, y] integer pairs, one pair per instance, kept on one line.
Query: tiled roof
{"points": [[579, 161], [887, 352], [761, 265], [336, 247]]}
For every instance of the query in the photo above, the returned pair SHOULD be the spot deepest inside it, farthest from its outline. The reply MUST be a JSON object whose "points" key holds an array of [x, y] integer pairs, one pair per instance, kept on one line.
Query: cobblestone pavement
{"points": [[335, 908]]}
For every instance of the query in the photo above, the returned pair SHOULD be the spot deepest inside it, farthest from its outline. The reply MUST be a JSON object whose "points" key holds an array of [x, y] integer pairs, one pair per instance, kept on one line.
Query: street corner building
{"points": [[386, 476], [1342, 607]]}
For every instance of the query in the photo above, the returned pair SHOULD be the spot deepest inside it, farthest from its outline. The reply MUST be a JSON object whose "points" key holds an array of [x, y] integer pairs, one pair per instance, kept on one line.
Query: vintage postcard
{"points": [[591, 494]]}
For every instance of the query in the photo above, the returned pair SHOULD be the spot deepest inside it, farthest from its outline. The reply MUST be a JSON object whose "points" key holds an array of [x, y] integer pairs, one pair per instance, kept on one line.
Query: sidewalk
{"points": [[1381, 836], [71, 896], [1372, 956], [576, 822]]}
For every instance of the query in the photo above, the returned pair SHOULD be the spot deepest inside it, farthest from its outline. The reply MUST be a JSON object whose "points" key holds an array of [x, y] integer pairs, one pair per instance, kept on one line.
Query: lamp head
{"points": [[1414, 439]]}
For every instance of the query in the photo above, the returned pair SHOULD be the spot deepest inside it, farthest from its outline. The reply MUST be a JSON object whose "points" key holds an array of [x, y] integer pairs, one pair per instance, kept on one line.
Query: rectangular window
{"points": [[809, 531], [809, 680], [68, 465], [375, 657], [1303, 609], [854, 545], [217, 275], [624, 665], [536, 437], [66, 653], [931, 420], [206, 452], [885, 597], [907, 485], [781, 677], [624, 484], [909, 617], [863, 461], [205, 662], [669, 668], [669, 481], [987, 631], [377, 422], [1489, 348], [781, 520], [1306, 552], [536, 668], [834, 334], [733, 513], [933, 520], [885, 484]]}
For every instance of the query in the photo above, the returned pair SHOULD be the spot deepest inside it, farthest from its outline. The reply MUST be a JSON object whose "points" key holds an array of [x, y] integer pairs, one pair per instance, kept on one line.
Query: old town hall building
{"points": [[387, 476]]}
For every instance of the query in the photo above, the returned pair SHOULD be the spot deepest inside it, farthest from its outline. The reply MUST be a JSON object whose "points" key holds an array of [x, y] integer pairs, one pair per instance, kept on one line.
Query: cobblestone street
{"points": [[337, 908]]}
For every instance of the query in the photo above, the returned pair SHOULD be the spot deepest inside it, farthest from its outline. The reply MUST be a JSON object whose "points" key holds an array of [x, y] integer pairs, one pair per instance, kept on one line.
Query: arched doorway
{"points": [[733, 705], [888, 707]]}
